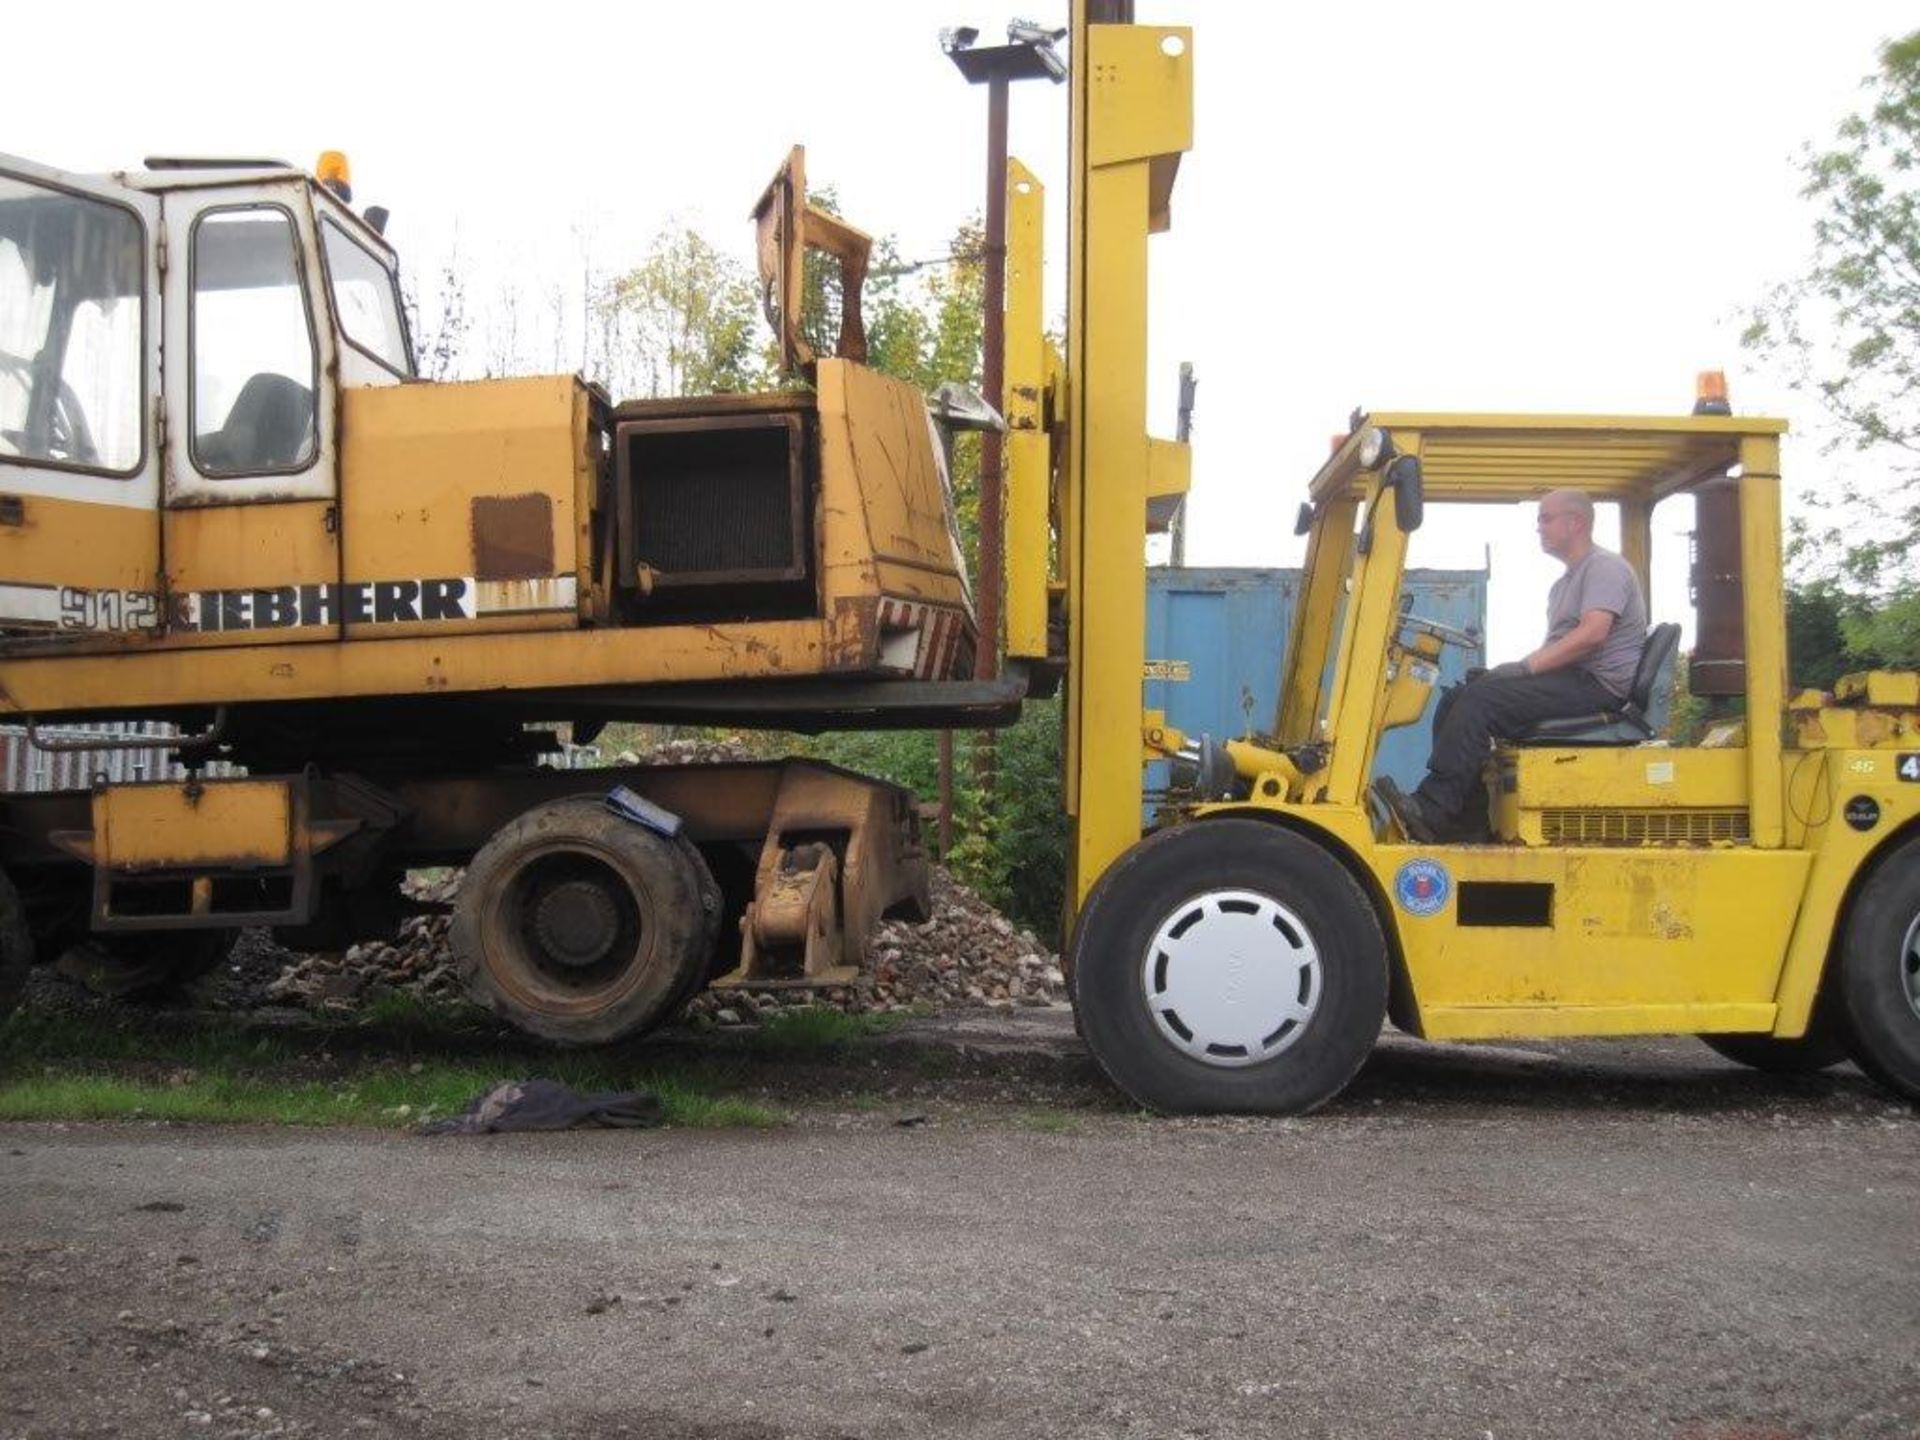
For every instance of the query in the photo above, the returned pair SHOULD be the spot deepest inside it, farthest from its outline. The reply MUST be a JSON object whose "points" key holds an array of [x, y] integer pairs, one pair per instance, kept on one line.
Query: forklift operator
{"points": [[1596, 626]]}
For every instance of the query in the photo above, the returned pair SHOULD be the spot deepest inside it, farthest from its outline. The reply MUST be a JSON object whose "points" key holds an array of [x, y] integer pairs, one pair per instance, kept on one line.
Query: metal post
{"points": [[1028, 55], [993, 369], [946, 795]]}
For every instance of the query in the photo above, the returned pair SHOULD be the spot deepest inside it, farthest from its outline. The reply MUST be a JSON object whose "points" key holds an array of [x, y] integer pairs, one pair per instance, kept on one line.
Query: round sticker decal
{"points": [[1422, 887], [1863, 812]]}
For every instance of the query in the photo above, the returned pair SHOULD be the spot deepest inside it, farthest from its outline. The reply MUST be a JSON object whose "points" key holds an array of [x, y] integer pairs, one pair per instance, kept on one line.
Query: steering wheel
{"points": [[1467, 639], [67, 437]]}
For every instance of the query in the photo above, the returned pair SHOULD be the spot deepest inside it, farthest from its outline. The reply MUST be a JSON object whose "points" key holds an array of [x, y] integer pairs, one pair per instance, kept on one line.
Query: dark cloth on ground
{"points": [[548, 1105]]}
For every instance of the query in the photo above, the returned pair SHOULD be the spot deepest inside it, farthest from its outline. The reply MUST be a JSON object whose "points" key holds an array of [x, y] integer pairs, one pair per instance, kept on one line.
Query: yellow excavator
{"points": [[228, 503]]}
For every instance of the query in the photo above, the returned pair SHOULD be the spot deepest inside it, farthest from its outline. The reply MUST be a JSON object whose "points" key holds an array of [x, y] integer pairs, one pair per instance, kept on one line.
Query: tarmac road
{"points": [[1566, 1241]]}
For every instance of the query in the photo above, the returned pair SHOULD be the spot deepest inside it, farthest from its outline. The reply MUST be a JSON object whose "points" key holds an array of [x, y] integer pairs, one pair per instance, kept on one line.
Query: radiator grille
{"points": [[1644, 827], [718, 506]]}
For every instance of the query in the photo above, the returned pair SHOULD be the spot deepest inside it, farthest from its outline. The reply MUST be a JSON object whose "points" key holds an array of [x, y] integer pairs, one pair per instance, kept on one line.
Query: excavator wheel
{"points": [[151, 965], [1229, 965], [1879, 975], [16, 947], [581, 926]]}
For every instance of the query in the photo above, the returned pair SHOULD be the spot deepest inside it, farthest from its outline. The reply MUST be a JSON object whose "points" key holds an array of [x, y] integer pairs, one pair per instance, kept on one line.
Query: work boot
{"points": [[1408, 811]]}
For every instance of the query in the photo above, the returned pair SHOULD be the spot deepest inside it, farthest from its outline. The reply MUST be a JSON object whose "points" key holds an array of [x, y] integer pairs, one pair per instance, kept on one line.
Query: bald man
{"points": [[1596, 627]]}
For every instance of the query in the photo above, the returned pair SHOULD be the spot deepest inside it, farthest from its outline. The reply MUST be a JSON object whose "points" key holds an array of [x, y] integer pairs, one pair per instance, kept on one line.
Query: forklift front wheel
{"points": [[581, 926], [1880, 973], [1229, 965]]}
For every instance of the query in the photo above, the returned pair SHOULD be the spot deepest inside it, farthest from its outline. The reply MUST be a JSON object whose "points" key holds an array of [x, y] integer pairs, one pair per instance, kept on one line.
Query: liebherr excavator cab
{"points": [[212, 439], [227, 502]]}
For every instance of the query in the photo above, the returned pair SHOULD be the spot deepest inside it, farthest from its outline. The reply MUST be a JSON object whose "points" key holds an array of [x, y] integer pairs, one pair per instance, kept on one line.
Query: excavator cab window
{"points": [[71, 309], [255, 367], [366, 297]]}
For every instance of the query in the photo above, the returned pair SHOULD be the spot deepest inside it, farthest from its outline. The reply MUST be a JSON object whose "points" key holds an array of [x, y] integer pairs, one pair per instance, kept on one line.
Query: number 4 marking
{"points": [[1908, 767]]}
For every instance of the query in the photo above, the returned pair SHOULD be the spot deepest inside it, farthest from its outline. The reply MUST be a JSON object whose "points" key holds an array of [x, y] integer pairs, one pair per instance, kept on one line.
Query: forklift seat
{"points": [[1629, 722]]}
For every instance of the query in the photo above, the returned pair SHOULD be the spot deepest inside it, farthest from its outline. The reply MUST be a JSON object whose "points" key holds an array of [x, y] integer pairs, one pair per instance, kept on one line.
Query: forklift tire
{"points": [[1879, 979], [581, 926], [16, 947], [1807, 1055], [1229, 965]]}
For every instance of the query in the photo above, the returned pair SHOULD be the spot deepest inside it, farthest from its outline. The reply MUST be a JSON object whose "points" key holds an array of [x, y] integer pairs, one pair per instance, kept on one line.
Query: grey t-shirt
{"points": [[1602, 581]]}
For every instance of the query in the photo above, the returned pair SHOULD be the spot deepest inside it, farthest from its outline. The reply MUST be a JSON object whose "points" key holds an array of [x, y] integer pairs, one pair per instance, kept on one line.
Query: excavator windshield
{"points": [[70, 328]]}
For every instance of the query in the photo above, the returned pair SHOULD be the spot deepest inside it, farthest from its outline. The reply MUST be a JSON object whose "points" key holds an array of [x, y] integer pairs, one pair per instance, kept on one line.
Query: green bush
{"points": [[1010, 837]]}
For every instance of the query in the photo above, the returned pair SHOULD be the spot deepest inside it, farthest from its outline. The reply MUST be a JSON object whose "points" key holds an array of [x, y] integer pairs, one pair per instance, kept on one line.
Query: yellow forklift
{"points": [[1760, 888]]}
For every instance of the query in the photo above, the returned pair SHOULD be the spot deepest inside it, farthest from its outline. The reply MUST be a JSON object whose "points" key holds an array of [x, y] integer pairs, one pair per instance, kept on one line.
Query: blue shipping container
{"points": [[1230, 626]]}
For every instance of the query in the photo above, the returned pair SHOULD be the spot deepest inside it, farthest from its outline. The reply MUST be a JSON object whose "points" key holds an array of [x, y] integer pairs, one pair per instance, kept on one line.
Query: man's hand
{"points": [[1512, 670]]}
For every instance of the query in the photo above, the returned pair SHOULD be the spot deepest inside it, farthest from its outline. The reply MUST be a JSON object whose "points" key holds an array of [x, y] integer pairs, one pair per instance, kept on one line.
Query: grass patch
{"points": [[816, 1029], [62, 1068], [208, 1098], [130, 1037], [391, 1099], [1048, 1122], [401, 1013]]}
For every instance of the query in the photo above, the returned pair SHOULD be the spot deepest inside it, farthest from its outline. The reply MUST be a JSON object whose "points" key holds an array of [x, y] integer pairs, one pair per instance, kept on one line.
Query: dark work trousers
{"points": [[1498, 708]]}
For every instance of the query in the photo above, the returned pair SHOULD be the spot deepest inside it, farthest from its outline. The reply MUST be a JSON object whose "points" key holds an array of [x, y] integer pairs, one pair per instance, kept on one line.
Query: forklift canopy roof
{"points": [[1506, 458]]}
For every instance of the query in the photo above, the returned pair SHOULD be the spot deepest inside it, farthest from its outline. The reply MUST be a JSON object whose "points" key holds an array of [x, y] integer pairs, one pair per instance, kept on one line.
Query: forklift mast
{"points": [[1132, 119]]}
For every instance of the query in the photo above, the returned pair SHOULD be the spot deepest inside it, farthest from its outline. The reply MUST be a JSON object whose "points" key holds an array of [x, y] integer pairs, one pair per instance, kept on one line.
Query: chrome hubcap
{"points": [[1231, 977], [1910, 966]]}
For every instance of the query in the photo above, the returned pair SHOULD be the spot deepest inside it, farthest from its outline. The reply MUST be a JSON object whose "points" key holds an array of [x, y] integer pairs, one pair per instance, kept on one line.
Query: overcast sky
{"points": [[1461, 206]]}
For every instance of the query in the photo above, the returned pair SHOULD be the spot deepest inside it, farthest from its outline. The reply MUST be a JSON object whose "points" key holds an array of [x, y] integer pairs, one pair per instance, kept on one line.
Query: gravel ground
{"points": [[1574, 1240]]}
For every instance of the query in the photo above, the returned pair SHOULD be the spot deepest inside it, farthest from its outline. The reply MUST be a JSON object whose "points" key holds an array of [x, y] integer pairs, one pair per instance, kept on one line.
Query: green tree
{"points": [[1820, 617], [684, 321], [1847, 332], [926, 325]]}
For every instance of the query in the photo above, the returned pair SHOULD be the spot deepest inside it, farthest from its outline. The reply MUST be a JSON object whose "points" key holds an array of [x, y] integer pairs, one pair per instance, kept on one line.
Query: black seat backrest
{"points": [[1662, 641], [269, 428]]}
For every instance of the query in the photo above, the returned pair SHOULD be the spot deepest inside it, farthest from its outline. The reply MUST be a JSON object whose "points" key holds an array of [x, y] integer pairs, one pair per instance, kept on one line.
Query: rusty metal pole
{"points": [[986, 660], [992, 381], [946, 795], [1027, 56]]}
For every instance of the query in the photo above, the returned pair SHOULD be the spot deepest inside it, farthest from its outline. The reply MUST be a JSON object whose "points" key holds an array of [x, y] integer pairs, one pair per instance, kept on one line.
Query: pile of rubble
{"points": [[418, 961], [690, 751], [967, 954]]}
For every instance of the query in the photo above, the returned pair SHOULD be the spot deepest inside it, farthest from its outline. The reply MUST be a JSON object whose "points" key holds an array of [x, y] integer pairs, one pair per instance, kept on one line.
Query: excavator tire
{"points": [[16, 947], [1229, 965], [583, 927], [148, 966], [1879, 977]]}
